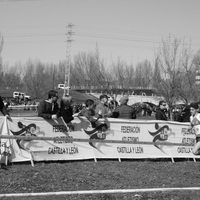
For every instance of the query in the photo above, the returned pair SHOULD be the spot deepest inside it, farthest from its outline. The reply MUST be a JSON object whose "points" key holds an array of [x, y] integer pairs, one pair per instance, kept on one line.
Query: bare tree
{"points": [[169, 62], [189, 90], [13, 77], [1, 61], [143, 74], [60, 72], [35, 79], [82, 72], [1, 48], [120, 73], [130, 76], [147, 71], [196, 60], [89, 70]]}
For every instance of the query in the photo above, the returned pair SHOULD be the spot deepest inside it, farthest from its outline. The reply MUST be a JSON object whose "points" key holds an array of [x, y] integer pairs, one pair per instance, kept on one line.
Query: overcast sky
{"points": [[128, 29]]}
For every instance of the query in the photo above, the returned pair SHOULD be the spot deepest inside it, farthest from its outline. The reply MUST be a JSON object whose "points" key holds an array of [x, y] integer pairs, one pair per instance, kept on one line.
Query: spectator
{"points": [[195, 126], [89, 112], [66, 111], [49, 108], [176, 113], [124, 110], [160, 111], [149, 111], [113, 104], [102, 109], [3, 109], [185, 114]]}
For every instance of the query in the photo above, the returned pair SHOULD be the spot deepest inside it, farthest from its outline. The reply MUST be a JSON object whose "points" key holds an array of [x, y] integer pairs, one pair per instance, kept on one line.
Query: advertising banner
{"points": [[112, 138], [10, 150]]}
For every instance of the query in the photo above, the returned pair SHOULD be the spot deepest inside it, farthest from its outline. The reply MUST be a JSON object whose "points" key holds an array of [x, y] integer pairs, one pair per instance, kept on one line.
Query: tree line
{"points": [[171, 73]]}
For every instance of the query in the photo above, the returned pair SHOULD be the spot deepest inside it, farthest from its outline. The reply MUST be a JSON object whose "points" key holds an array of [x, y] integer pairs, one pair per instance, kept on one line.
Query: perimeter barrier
{"points": [[36, 139], [24, 107]]}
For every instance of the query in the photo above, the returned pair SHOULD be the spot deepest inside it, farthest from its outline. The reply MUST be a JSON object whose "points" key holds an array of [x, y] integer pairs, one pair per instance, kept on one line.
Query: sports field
{"points": [[47, 177], [167, 180]]}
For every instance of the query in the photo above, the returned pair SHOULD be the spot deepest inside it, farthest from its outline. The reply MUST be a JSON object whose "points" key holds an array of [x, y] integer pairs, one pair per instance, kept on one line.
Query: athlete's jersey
{"points": [[195, 123]]}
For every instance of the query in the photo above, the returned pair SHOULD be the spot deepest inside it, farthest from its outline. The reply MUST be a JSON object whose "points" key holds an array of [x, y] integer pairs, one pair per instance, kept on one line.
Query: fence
{"points": [[36, 139], [24, 107]]}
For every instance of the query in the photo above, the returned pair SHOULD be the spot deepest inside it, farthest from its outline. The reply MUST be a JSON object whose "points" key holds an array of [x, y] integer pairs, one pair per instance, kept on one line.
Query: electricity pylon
{"points": [[68, 59]]}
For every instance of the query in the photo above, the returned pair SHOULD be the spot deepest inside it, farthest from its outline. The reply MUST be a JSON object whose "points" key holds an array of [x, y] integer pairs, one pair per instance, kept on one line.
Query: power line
{"points": [[128, 39], [98, 35], [93, 36], [109, 30], [129, 45], [133, 46]]}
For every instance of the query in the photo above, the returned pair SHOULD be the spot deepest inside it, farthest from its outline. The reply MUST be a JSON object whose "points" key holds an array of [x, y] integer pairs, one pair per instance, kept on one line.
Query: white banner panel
{"points": [[174, 141]]}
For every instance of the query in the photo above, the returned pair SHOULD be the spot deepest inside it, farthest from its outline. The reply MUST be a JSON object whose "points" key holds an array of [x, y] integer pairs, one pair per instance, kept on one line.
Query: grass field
{"points": [[102, 175], [107, 174]]}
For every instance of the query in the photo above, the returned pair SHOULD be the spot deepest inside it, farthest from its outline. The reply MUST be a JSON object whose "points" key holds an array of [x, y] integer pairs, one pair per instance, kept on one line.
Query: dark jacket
{"points": [[160, 114], [125, 112], [67, 114], [3, 108], [185, 115], [47, 109]]}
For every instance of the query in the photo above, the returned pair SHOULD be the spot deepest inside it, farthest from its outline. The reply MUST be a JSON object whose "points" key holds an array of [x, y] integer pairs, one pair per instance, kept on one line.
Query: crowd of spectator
{"points": [[14, 103], [111, 108], [181, 113], [50, 109], [108, 107]]}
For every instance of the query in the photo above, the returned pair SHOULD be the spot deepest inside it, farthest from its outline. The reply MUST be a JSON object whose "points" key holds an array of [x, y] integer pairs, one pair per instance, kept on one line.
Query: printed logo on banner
{"points": [[161, 134], [28, 130], [33, 130], [98, 133]]}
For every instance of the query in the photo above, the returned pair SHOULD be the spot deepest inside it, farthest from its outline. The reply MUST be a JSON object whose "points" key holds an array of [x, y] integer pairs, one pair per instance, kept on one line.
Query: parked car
{"points": [[21, 95], [62, 86]]}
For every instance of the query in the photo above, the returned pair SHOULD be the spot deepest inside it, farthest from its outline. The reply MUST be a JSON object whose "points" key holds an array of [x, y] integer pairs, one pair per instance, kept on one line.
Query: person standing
{"points": [[160, 111], [49, 108], [125, 111]]}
